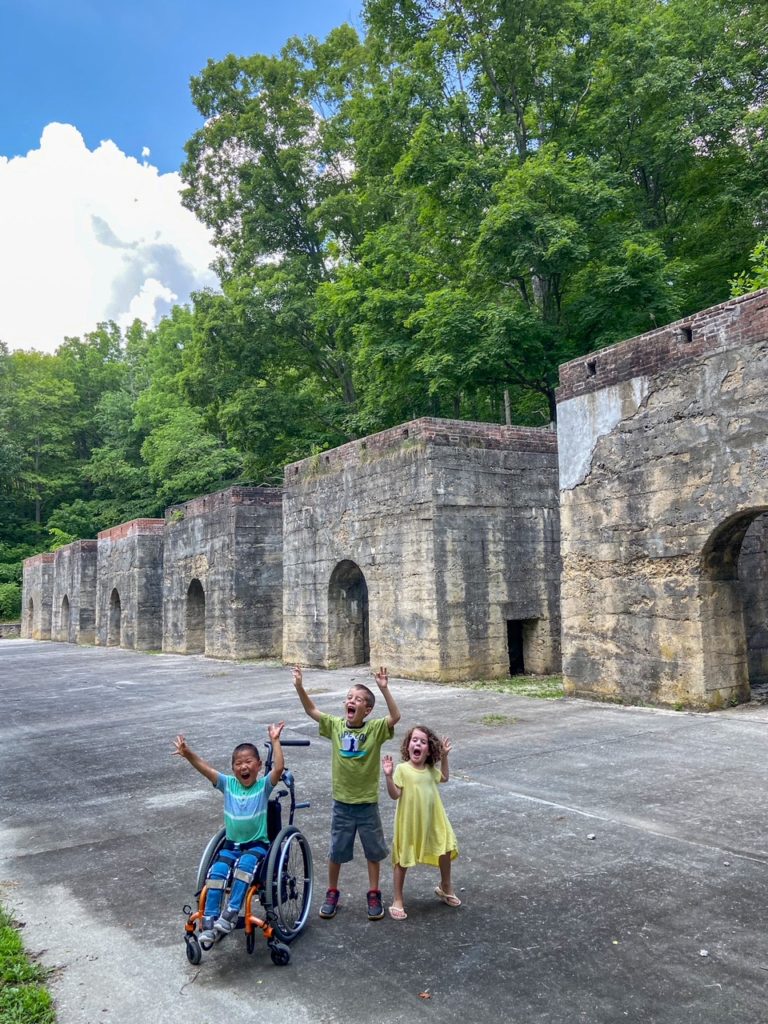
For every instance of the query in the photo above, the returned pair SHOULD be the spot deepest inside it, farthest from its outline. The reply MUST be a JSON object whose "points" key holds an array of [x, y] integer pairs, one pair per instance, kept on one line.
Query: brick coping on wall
{"points": [[133, 528], [45, 558], [258, 495], [740, 321], [427, 431], [77, 546]]}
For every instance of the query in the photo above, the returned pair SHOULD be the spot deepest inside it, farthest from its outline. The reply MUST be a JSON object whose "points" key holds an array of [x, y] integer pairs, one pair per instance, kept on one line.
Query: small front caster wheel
{"points": [[280, 954], [194, 953]]}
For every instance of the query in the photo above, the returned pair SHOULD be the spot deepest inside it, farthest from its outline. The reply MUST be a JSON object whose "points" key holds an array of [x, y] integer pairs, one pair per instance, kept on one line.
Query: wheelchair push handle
{"points": [[283, 743]]}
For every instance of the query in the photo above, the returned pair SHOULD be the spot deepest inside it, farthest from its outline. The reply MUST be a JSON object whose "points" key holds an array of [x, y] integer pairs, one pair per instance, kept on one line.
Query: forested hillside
{"points": [[423, 219]]}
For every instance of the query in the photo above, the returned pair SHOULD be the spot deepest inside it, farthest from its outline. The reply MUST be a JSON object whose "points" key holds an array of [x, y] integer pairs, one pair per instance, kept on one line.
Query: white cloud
{"points": [[87, 236]]}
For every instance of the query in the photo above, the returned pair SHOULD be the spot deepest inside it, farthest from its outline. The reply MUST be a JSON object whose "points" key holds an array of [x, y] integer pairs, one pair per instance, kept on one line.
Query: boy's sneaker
{"points": [[330, 903], [225, 924], [207, 939], [375, 906]]}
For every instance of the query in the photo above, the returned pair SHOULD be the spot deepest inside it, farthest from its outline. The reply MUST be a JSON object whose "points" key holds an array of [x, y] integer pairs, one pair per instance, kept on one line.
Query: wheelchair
{"points": [[282, 885]]}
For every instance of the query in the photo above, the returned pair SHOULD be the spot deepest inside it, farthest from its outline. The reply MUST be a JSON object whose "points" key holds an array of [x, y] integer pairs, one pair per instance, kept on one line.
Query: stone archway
{"points": [[195, 619], [114, 628], [348, 627], [734, 606], [30, 623], [65, 620], [753, 581]]}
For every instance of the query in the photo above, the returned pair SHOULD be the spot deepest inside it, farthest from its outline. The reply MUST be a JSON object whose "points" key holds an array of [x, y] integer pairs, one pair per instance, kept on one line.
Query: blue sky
{"points": [[120, 69], [95, 113]]}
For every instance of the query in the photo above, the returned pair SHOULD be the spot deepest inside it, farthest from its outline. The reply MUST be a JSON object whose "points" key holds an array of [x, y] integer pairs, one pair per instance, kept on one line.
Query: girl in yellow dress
{"points": [[423, 834]]}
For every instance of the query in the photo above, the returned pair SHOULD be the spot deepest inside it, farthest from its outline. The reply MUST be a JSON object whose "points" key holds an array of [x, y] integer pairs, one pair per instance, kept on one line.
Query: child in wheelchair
{"points": [[245, 818]]}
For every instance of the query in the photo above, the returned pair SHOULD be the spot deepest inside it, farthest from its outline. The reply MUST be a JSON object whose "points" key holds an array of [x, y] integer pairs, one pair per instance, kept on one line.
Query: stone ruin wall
{"points": [[497, 550], [663, 469], [454, 528], [231, 544], [129, 589], [37, 597], [340, 507], [663, 507], [73, 617]]}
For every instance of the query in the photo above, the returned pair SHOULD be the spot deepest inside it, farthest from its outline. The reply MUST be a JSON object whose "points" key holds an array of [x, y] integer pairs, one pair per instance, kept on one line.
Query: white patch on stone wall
{"points": [[582, 421]]}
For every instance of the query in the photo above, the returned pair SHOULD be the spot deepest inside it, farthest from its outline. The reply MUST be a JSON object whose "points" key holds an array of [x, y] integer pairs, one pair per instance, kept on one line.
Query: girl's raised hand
{"points": [[387, 764], [180, 746], [445, 746]]}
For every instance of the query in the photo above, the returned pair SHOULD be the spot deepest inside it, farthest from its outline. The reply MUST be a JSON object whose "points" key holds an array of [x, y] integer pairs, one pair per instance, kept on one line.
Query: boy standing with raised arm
{"points": [[355, 763]]}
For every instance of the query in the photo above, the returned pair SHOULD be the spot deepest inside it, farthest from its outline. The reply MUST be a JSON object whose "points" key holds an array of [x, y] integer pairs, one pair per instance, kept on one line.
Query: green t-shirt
{"points": [[355, 757]]}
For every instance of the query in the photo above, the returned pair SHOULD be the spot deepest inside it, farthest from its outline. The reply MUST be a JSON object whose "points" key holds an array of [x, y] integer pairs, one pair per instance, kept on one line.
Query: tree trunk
{"points": [[507, 408]]}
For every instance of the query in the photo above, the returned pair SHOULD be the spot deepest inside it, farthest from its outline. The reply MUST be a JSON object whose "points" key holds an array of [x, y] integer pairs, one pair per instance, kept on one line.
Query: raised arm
{"points": [[445, 749], [181, 748], [278, 761], [382, 681], [306, 701], [389, 768]]}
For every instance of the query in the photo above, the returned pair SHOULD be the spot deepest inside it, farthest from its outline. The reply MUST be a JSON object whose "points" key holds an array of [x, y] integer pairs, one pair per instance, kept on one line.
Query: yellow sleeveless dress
{"points": [[423, 832]]}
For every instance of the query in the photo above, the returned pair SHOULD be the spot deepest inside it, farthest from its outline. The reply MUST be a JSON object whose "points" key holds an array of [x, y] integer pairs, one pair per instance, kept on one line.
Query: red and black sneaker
{"points": [[330, 903], [375, 906]]}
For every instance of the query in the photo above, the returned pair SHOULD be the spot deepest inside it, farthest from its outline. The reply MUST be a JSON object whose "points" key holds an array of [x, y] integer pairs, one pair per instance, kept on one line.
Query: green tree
{"points": [[757, 276]]}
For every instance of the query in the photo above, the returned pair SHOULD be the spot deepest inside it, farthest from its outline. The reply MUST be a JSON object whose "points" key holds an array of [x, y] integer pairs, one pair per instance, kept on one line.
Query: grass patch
{"points": [[495, 720], [544, 687], [23, 997]]}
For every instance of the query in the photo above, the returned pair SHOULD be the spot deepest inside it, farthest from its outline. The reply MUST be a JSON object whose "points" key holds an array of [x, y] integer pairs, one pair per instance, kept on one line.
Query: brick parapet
{"points": [[134, 528], [740, 321], [78, 546], [426, 431], [45, 558], [232, 496]]}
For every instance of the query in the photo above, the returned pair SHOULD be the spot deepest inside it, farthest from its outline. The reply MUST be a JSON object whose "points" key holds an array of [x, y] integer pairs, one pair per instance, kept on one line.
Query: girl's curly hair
{"points": [[435, 744]]}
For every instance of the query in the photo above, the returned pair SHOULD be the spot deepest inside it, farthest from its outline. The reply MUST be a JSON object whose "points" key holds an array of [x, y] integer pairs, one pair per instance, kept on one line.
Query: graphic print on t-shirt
{"points": [[351, 744]]}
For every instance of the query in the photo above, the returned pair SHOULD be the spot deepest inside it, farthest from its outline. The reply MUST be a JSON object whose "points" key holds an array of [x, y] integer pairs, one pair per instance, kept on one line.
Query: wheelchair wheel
{"points": [[281, 955], [194, 953], [288, 883]]}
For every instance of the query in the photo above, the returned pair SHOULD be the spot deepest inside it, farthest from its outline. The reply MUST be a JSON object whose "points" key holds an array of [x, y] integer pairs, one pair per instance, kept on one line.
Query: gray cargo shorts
{"points": [[348, 820]]}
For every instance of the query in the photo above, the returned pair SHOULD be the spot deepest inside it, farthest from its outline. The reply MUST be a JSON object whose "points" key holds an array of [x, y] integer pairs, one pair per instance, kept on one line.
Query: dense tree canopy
{"points": [[425, 219]]}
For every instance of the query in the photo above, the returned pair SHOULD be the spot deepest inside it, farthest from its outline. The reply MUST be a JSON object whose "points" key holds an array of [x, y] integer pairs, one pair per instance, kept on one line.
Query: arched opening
{"points": [[114, 634], [753, 581], [348, 640], [64, 630], [30, 624], [734, 605], [195, 620]]}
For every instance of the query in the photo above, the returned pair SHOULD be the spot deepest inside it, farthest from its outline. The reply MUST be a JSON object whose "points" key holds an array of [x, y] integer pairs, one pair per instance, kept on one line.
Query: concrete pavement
{"points": [[658, 918]]}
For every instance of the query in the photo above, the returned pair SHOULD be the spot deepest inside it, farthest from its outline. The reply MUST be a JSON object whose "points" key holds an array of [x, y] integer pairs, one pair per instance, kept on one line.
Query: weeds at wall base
{"points": [[542, 687]]}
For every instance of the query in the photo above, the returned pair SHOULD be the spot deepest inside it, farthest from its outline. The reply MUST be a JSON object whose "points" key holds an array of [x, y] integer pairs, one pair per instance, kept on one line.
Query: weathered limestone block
{"points": [[663, 459], [37, 597], [223, 574], [129, 590], [73, 617], [432, 548]]}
